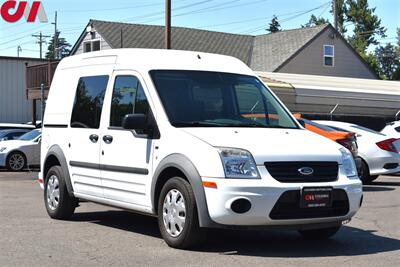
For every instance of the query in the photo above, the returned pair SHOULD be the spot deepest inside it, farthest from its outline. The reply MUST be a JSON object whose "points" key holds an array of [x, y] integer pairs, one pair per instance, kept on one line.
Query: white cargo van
{"points": [[195, 139]]}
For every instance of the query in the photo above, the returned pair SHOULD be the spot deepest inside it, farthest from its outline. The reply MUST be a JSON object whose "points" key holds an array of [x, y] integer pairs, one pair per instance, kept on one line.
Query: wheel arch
{"points": [[179, 165], [56, 157]]}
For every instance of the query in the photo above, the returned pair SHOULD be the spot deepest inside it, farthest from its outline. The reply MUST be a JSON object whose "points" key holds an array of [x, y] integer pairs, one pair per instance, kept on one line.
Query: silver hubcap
{"points": [[17, 162], [174, 213], [53, 192]]}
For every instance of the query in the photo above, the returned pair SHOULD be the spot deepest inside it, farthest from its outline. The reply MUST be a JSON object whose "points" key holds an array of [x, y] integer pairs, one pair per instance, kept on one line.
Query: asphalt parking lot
{"points": [[104, 236]]}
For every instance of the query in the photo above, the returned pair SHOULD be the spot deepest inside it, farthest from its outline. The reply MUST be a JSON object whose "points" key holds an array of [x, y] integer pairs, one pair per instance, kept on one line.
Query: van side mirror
{"points": [[302, 123], [137, 122]]}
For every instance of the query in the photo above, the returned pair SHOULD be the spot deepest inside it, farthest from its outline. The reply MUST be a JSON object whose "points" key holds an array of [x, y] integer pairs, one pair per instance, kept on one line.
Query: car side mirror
{"points": [[302, 123], [137, 122]]}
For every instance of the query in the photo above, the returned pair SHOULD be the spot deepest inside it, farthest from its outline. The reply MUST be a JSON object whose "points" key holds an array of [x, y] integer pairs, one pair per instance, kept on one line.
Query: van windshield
{"points": [[214, 99]]}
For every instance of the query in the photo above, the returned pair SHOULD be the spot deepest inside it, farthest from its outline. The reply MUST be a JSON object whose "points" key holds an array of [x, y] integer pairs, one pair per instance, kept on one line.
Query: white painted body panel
{"points": [[392, 129], [133, 191]]}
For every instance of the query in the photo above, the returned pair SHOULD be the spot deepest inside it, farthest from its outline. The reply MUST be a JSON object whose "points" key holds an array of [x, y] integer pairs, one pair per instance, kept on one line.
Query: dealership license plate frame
{"points": [[321, 197]]}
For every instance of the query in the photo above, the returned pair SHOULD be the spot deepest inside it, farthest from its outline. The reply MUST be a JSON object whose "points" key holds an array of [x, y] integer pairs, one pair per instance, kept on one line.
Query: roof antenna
{"points": [[332, 111], [198, 56]]}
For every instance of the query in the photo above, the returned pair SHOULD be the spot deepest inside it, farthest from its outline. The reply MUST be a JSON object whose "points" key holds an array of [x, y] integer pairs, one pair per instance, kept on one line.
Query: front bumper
{"points": [[264, 193]]}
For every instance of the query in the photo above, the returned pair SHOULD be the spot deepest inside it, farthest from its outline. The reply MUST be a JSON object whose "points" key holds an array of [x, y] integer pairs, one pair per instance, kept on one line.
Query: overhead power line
{"points": [[162, 12], [116, 8], [220, 6], [255, 29]]}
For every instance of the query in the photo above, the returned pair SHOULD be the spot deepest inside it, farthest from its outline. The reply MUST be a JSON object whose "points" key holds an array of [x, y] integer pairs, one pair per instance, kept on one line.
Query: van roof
{"points": [[150, 59]]}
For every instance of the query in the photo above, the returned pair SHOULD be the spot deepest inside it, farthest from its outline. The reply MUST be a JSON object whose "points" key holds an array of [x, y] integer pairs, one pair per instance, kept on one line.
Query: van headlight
{"points": [[348, 164], [238, 163]]}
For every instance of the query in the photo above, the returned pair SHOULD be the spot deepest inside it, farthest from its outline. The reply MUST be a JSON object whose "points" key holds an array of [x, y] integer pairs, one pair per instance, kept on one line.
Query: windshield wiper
{"points": [[197, 124]]}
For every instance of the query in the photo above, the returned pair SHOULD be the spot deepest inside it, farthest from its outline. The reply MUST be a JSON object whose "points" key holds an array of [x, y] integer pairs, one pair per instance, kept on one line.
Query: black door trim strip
{"points": [[111, 168], [55, 126]]}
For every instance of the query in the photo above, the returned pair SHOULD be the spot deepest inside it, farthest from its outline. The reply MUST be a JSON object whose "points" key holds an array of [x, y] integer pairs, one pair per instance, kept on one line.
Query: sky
{"points": [[234, 16]]}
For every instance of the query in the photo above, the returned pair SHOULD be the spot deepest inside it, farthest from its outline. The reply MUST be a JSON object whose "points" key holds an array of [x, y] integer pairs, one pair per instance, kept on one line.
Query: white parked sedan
{"points": [[15, 155], [380, 153], [392, 129]]}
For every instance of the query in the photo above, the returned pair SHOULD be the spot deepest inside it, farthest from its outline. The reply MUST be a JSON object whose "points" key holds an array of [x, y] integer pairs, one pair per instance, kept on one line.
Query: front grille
{"points": [[288, 207], [288, 172]]}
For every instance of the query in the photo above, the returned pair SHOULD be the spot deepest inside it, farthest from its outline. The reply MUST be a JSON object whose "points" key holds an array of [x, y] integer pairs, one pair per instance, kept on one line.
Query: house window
{"points": [[329, 55], [91, 46]]}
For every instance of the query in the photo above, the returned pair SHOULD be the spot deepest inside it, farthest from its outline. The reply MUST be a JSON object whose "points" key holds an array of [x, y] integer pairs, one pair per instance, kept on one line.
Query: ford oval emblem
{"points": [[306, 171]]}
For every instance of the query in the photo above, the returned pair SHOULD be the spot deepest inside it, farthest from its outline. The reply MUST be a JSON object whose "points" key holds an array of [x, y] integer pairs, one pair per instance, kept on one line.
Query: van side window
{"points": [[128, 98], [88, 102]]}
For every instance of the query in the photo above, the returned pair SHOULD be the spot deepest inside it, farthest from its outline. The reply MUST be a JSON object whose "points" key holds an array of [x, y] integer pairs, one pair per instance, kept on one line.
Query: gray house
{"points": [[318, 50]]}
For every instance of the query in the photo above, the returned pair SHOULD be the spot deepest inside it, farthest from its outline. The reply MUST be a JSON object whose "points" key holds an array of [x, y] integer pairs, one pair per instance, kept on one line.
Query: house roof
{"points": [[150, 36], [274, 49], [268, 52]]}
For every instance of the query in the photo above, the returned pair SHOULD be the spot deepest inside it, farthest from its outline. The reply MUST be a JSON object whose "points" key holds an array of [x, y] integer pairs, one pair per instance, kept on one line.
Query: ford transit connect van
{"points": [[195, 139]]}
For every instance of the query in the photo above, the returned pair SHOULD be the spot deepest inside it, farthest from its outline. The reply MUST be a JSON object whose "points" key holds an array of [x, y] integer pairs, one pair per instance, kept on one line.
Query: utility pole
{"points": [[41, 41], [167, 34], [335, 24], [19, 49], [55, 41]]}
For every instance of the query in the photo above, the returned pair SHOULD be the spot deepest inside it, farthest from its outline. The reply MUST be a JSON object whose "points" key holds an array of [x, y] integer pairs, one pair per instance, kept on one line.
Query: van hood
{"points": [[267, 145]]}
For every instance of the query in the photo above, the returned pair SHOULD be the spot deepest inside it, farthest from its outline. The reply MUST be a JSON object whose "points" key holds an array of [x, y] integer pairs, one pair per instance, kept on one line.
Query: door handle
{"points": [[107, 139], [94, 138]]}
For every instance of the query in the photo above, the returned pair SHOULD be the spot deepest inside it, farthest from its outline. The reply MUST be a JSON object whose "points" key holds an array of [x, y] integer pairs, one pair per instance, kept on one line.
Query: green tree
{"points": [[373, 62], [314, 21], [63, 48], [274, 25], [367, 25], [389, 61]]}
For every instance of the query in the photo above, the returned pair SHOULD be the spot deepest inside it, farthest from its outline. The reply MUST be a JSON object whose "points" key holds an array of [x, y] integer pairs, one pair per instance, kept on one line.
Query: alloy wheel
{"points": [[17, 162]]}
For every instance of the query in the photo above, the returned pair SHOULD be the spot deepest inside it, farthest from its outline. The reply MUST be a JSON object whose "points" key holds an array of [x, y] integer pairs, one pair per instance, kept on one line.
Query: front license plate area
{"points": [[316, 197]]}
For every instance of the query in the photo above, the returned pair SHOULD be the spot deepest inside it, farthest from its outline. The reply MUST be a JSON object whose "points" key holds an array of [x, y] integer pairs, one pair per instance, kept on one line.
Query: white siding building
{"points": [[14, 106]]}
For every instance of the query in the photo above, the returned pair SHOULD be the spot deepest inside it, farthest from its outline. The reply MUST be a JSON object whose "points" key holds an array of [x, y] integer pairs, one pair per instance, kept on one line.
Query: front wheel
{"points": [[177, 214], [319, 234]]}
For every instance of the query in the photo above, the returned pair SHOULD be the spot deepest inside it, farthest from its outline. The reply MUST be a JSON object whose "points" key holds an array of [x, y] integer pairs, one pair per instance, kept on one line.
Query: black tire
{"points": [[319, 234], [365, 177], [65, 203], [190, 233], [10, 166]]}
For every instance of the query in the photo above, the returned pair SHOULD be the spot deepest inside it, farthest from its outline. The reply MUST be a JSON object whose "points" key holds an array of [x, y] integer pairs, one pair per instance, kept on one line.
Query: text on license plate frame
{"points": [[316, 197]]}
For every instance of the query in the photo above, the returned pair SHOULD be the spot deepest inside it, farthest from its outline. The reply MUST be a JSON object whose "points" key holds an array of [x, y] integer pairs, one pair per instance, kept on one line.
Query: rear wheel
{"points": [[319, 234], [365, 177], [177, 214], [16, 161], [59, 204]]}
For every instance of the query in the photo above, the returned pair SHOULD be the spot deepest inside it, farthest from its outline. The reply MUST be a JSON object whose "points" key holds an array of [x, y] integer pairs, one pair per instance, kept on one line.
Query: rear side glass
{"points": [[88, 102]]}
